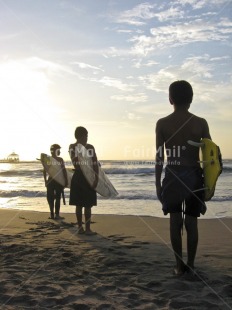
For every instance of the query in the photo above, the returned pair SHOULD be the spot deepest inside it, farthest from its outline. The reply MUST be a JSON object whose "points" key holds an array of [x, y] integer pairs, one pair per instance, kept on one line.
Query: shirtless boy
{"points": [[179, 194]]}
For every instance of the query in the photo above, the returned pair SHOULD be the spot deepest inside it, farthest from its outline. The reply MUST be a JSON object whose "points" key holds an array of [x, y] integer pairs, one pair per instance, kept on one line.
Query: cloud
{"points": [[115, 83], [195, 68], [219, 58], [124, 31], [133, 116], [193, 31], [42, 64], [138, 63], [200, 28], [192, 68], [199, 4], [195, 4], [46, 68], [143, 45], [171, 13], [112, 52], [51, 68], [181, 34], [211, 97], [83, 65], [158, 81], [140, 97], [138, 15]]}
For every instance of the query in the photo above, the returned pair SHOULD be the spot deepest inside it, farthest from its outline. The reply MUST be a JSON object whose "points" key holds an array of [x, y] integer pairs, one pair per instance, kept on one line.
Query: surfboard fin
{"points": [[197, 144], [200, 189]]}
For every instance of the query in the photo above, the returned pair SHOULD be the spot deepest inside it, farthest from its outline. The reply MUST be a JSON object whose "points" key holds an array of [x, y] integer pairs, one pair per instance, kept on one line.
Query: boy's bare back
{"points": [[175, 130]]}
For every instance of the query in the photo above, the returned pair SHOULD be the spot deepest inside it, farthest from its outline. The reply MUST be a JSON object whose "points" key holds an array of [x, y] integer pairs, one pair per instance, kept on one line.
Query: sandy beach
{"points": [[45, 264]]}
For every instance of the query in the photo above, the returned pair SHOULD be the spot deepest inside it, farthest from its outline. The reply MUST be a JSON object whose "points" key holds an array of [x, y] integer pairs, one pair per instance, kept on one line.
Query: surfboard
{"points": [[53, 168], [104, 186], [211, 163]]}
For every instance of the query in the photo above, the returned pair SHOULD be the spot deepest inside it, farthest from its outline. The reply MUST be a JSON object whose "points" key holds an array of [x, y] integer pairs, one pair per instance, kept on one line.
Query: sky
{"points": [[107, 66]]}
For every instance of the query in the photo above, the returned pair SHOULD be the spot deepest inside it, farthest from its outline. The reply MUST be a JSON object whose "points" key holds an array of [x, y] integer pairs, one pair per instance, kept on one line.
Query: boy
{"points": [[183, 176], [54, 189], [81, 193]]}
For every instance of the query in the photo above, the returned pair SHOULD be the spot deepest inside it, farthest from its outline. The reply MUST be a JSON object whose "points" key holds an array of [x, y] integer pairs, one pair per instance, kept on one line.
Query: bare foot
{"points": [[81, 231], [178, 272], [57, 217], [90, 232]]}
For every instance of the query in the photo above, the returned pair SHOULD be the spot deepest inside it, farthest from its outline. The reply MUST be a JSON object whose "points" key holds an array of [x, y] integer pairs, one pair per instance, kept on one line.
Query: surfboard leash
{"points": [[183, 217]]}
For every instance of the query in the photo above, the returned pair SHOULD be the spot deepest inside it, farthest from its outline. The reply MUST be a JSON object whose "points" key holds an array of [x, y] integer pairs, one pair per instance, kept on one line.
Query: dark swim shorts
{"points": [[81, 194], [183, 186]]}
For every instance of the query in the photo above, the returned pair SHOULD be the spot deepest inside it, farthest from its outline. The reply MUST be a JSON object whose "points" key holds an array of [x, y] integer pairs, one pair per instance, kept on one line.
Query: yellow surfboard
{"points": [[212, 166], [211, 163]]}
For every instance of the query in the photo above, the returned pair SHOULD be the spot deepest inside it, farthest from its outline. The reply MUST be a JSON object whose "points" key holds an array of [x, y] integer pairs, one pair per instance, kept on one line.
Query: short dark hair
{"points": [[80, 132], [55, 147], [181, 93]]}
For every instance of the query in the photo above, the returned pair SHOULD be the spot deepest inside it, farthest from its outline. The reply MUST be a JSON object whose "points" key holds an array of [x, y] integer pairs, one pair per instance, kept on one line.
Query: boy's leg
{"points": [[79, 217], [87, 218], [50, 199], [176, 223], [57, 203], [192, 238]]}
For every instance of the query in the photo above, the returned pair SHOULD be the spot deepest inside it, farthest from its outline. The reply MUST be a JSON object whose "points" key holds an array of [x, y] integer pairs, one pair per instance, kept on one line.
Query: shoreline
{"points": [[45, 264], [202, 217]]}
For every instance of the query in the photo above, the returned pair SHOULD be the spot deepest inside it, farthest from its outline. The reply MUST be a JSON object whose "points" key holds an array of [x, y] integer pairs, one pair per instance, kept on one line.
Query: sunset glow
{"points": [[107, 66]]}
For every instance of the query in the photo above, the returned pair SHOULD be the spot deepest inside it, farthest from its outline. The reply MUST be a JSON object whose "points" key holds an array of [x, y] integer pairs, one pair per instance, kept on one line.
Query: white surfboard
{"points": [[104, 187], [53, 168]]}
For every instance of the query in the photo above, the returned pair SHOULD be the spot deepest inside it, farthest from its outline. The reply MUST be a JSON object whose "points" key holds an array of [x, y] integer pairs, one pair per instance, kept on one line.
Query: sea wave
{"points": [[121, 170], [21, 173], [36, 194], [221, 198], [123, 195], [22, 193], [141, 171], [226, 169], [136, 196]]}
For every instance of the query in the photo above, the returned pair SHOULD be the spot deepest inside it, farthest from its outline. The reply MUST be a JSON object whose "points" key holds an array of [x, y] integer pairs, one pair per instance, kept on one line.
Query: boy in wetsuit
{"points": [[183, 181], [54, 189]]}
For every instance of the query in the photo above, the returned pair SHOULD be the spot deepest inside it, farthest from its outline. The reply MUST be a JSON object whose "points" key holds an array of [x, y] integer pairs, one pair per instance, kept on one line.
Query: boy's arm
{"points": [[95, 168], [159, 158], [205, 129], [73, 155], [64, 172], [45, 177]]}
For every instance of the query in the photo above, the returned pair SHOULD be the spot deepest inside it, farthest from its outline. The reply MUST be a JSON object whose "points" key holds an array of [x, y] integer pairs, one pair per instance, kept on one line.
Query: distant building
{"points": [[13, 157]]}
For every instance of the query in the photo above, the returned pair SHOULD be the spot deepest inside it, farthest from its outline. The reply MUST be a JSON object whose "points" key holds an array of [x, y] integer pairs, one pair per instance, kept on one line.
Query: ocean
{"points": [[22, 187]]}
